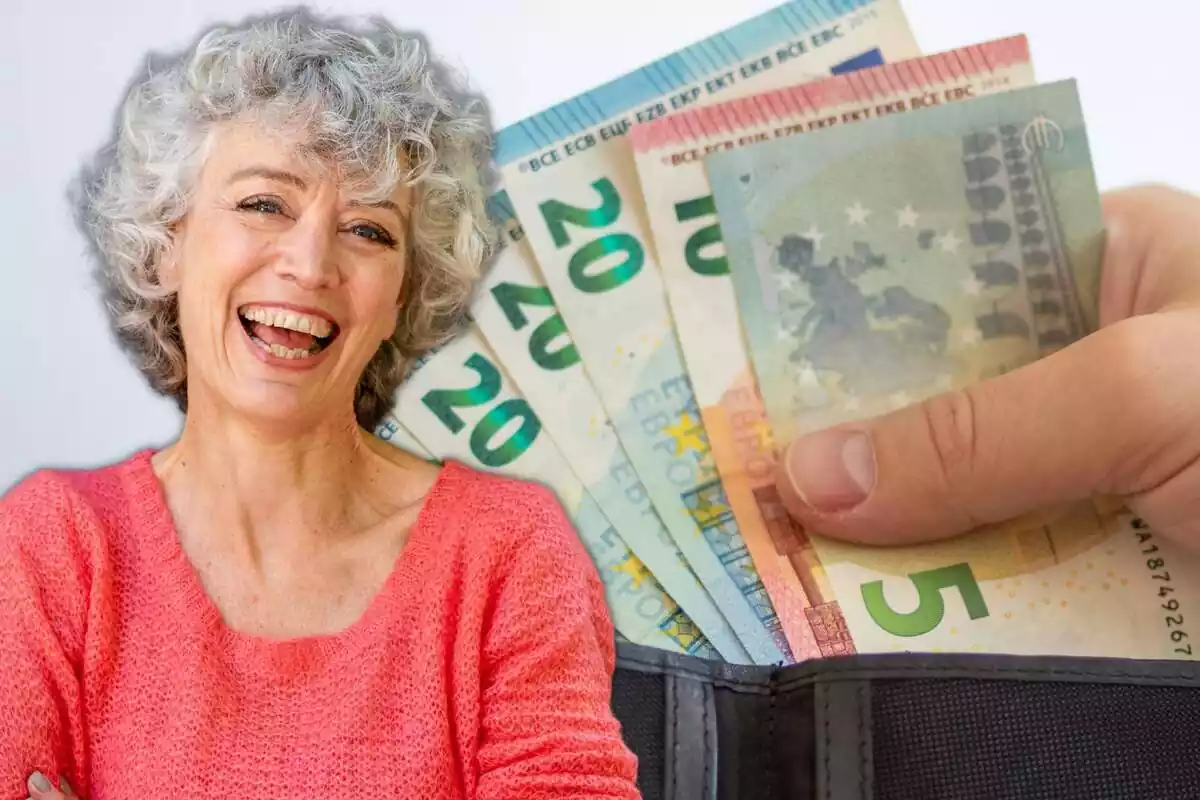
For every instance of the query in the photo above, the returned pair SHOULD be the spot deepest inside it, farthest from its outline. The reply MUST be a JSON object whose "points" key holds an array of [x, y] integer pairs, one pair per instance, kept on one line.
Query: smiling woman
{"points": [[289, 248], [278, 603]]}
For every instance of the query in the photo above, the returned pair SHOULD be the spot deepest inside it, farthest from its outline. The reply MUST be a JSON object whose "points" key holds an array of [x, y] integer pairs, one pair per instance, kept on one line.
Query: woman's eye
{"points": [[374, 233], [263, 205]]}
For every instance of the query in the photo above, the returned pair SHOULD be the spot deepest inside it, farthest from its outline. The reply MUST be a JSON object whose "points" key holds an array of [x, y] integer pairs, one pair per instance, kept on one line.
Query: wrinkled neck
{"points": [[268, 487]]}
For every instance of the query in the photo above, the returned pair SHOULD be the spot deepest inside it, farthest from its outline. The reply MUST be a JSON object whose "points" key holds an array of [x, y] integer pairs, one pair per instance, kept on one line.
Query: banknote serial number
{"points": [[1157, 565], [862, 18]]}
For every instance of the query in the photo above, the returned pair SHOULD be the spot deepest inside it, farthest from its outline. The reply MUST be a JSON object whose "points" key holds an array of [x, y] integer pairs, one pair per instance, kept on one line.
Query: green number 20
{"points": [[442, 403], [510, 297], [931, 605], [557, 214]]}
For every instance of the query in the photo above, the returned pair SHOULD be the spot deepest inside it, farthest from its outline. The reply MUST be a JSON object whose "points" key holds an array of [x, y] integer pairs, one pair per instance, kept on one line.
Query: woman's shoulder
{"points": [[58, 527], [482, 495], [496, 510], [53, 504]]}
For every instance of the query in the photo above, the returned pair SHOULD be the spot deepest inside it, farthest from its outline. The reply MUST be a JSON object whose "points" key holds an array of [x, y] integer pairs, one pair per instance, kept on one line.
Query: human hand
{"points": [[1116, 413]]}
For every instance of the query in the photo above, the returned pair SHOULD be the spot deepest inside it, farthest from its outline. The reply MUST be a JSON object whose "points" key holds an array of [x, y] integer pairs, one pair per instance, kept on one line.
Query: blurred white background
{"points": [[69, 397]]}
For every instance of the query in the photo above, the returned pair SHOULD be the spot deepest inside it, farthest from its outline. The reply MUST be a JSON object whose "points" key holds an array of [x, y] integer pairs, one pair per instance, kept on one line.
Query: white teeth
{"points": [[292, 320], [283, 352]]}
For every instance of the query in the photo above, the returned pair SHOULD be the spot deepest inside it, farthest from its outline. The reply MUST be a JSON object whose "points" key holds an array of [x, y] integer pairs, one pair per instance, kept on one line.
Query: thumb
{"points": [[1073, 424], [40, 788]]}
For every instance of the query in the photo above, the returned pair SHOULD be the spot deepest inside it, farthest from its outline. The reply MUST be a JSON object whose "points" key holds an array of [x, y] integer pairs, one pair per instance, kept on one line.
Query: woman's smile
{"points": [[287, 336]]}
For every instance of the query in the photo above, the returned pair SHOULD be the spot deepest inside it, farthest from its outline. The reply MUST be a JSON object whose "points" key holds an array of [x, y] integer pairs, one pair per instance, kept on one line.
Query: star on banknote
{"points": [[906, 217], [949, 243], [687, 434], [857, 214], [814, 235], [634, 568]]}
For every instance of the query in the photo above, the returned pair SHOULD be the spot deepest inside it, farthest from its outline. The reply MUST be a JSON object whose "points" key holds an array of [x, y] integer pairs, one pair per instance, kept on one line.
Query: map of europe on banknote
{"points": [[570, 177], [879, 263]]}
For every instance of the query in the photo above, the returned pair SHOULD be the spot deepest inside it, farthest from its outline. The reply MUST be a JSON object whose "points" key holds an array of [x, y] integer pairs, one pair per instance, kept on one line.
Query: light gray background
{"points": [[69, 397]]}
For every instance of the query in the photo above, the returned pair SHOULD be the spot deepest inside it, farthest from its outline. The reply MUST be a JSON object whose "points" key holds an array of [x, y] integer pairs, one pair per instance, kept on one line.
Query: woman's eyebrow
{"points": [[384, 204], [269, 173], [284, 176]]}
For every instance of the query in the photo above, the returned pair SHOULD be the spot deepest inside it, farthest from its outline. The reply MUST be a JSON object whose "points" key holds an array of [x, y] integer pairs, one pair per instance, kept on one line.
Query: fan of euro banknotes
{"points": [[798, 221]]}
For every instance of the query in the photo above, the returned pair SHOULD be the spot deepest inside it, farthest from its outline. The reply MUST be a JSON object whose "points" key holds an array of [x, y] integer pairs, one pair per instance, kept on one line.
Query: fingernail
{"points": [[39, 782], [832, 470], [65, 787]]}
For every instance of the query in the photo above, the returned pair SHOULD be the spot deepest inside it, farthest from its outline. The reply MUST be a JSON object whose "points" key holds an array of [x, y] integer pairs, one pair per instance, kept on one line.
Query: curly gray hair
{"points": [[370, 99]]}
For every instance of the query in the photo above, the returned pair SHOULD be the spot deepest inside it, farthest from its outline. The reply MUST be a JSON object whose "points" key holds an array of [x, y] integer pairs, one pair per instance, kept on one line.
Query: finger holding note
{"points": [[1114, 413]]}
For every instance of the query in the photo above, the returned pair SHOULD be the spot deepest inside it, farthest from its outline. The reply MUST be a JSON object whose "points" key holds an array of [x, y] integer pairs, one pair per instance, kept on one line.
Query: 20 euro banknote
{"points": [[458, 403], [544, 364], [669, 154], [570, 175], [877, 264]]}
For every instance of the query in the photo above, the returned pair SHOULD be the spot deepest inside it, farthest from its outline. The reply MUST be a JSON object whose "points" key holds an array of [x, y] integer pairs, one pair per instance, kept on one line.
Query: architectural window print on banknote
{"points": [[457, 402], [570, 176], [669, 154], [883, 262]]}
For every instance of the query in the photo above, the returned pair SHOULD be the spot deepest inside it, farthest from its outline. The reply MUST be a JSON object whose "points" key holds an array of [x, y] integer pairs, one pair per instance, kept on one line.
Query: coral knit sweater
{"points": [[482, 669]]}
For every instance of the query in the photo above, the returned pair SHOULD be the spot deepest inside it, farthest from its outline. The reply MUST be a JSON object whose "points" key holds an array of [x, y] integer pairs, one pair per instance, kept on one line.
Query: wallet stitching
{"points": [[708, 752], [862, 742], [881, 673], [772, 766], [675, 737], [770, 684], [825, 720]]}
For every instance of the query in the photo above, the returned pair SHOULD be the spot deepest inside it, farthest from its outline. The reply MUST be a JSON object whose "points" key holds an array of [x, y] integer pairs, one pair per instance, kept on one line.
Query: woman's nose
{"points": [[308, 253]]}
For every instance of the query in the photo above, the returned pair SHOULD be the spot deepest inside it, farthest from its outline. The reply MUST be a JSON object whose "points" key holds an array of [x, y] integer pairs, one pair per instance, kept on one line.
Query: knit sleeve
{"points": [[548, 657], [43, 608]]}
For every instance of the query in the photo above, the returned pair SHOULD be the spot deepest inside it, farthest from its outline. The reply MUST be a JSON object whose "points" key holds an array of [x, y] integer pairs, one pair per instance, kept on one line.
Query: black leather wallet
{"points": [[910, 726]]}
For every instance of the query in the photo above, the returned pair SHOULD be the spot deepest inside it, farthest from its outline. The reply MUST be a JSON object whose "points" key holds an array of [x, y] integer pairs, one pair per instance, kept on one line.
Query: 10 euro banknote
{"points": [[877, 264], [682, 215]]}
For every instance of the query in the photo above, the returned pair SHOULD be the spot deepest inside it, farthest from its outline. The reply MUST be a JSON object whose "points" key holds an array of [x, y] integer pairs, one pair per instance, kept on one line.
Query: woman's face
{"points": [[286, 285]]}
